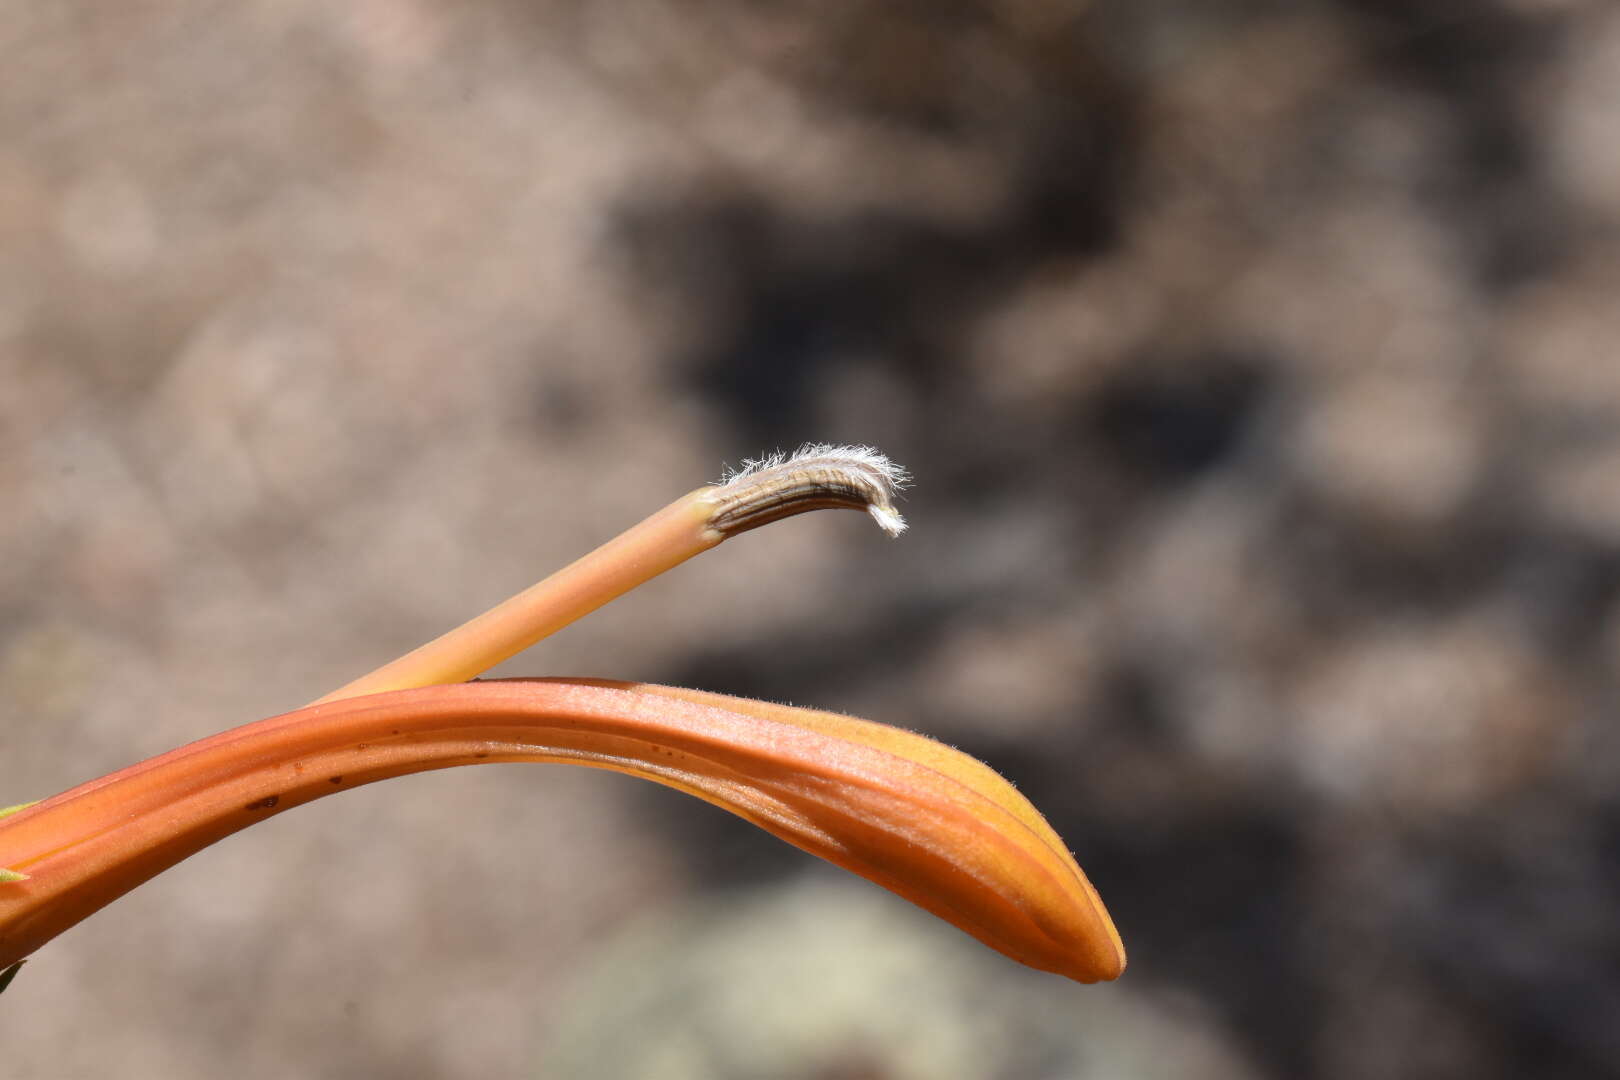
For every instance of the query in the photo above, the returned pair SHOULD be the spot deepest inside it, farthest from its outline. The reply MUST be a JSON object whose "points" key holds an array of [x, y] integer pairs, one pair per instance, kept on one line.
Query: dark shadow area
{"points": [[1228, 886]]}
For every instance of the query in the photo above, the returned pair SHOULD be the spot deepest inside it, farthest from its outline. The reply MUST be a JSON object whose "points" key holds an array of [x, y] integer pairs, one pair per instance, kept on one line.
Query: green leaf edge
{"points": [[8, 876]]}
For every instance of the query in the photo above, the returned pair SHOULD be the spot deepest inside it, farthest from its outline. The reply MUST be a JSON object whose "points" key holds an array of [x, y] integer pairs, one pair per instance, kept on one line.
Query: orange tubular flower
{"points": [[919, 818]]}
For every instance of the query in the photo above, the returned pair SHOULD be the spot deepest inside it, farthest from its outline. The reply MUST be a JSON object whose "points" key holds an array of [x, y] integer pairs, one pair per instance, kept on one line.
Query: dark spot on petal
{"points": [[335, 779], [481, 755], [263, 804]]}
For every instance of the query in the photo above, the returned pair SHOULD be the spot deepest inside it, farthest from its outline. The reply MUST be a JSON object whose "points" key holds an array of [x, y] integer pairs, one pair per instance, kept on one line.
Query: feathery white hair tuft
{"points": [[814, 476]]}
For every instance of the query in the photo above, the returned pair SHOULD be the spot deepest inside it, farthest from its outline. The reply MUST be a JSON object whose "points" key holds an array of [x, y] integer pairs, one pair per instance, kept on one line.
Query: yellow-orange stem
{"points": [[816, 478], [640, 553]]}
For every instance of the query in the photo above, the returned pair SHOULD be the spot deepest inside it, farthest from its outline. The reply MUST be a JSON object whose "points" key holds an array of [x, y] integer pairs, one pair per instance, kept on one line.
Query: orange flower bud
{"points": [[926, 821]]}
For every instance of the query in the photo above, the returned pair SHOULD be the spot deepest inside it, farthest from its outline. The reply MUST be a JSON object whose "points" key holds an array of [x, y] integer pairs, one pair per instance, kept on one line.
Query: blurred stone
{"points": [[1403, 446], [1585, 138], [803, 982], [1431, 720]]}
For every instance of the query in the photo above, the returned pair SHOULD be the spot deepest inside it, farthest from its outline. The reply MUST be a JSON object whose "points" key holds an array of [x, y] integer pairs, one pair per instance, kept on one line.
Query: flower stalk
{"points": [[926, 821], [818, 477]]}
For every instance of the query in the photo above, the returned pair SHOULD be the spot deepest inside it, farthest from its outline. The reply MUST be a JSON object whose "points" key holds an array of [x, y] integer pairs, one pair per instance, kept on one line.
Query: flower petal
{"points": [[928, 822]]}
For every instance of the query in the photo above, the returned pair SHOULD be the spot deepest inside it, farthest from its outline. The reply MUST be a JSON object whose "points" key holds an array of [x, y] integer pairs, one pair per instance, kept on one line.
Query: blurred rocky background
{"points": [[1257, 364]]}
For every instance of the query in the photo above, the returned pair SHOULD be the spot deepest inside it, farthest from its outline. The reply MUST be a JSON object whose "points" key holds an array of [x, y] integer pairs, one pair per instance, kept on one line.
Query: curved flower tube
{"points": [[926, 821]]}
